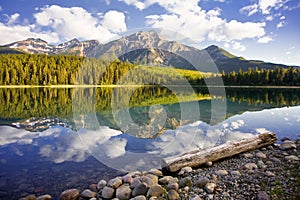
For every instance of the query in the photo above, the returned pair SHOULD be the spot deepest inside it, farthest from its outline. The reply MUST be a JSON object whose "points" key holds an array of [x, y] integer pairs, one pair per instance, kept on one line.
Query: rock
{"points": [[107, 192], [147, 180], [173, 195], [153, 198], [221, 172], [209, 164], [285, 138], [187, 169], [214, 178], [115, 182], [140, 197], [134, 174], [262, 195], [101, 184], [268, 173], [135, 182], [44, 197], [123, 192], [275, 159], [186, 181], [70, 194], [174, 180], [201, 182], [127, 179], [261, 164], [173, 186], [186, 188], [156, 172], [156, 191], [140, 189], [29, 197], [261, 155], [235, 173], [165, 179], [248, 155], [153, 177], [180, 173], [210, 187], [251, 166], [87, 194], [287, 144], [195, 197], [292, 157]]}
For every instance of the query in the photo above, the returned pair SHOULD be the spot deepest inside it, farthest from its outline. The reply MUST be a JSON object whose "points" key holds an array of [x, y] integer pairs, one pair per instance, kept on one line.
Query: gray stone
{"points": [[187, 169], [221, 172], [115, 182], [153, 177], [210, 187], [248, 155], [173, 186], [156, 191], [268, 173], [262, 195], [287, 144], [292, 157], [101, 184], [261, 155], [107, 192], [135, 182], [70, 194], [173, 195], [174, 180], [127, 179], [88, 194], [275, 159], [147, 180], [134, 174], [140, 197], [195, 197], [261, 164], [44, 197], [140, 189], [186, 181], [235, 173], [123, 192], [156, 172], [201, 182], [251, 166], [165, 179]]}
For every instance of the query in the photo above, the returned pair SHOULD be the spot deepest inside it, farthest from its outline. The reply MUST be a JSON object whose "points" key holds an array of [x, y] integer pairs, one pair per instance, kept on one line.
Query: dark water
{"points": [[54, 139]]}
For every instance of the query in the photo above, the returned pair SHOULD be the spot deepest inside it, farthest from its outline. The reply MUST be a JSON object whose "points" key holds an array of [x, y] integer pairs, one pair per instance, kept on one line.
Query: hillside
{"points": [[146, 48]]}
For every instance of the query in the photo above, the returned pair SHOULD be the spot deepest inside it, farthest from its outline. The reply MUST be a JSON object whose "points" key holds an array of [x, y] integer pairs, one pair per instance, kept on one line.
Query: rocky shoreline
{"points": [[272, 172]]}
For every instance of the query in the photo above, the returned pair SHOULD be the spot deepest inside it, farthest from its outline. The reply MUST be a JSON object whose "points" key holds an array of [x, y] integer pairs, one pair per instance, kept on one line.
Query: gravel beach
{"points": [[272, 172]]}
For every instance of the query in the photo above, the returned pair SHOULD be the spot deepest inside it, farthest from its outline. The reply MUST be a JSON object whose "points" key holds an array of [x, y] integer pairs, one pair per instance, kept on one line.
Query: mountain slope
{"points": [[147, 48]]}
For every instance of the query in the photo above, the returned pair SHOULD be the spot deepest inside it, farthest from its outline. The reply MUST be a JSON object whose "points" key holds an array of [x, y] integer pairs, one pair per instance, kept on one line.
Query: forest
{"points": [[38, 69]]}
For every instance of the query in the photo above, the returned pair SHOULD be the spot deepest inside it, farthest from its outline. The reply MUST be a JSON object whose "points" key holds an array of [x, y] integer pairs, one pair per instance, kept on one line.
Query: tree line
{"points": [[38, 69]]}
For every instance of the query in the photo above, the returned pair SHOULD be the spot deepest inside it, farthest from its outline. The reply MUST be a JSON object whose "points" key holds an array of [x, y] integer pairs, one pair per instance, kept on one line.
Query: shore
{"points": [[272, 172]]}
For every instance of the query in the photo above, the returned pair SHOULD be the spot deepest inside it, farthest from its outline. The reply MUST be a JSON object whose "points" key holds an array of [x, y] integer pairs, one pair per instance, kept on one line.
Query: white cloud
{"points": [[114, 21], [250, 9], [238, 46], [263, 6], [281, 24], [57, 24], [265, 39]]}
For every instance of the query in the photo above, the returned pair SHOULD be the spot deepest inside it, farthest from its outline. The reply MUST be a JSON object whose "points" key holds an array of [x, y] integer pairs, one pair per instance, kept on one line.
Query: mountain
{"points": [[147, 48]]}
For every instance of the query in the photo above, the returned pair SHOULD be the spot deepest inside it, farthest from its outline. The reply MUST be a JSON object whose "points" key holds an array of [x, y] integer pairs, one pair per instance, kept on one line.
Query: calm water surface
{"points": [[54, 139]]}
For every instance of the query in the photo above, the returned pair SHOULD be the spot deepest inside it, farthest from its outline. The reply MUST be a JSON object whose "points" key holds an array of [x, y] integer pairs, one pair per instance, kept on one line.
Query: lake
{"points": [[52, 139]]}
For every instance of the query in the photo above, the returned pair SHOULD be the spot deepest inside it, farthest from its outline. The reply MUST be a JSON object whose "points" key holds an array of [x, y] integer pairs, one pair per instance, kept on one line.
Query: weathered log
{"points": [[199, 157]]}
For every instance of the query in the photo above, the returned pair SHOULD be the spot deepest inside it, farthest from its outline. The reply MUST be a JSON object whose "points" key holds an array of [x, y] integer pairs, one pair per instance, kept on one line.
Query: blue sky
{"points": [[255, 29]]}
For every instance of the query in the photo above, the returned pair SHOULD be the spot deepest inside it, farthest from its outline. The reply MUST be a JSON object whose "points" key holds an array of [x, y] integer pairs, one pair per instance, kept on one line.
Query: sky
{"points": [[255, 29]]}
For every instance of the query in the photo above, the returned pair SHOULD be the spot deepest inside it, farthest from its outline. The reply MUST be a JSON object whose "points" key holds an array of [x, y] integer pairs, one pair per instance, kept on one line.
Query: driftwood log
{"points": [[199, 157]]}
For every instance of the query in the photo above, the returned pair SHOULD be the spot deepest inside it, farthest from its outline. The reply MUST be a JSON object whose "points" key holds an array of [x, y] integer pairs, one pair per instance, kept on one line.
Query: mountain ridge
{"points": [[147, 48]]}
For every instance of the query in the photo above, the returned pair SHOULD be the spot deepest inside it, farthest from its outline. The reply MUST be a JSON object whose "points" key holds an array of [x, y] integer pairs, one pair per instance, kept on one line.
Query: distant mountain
{"points": [[146, 48]]}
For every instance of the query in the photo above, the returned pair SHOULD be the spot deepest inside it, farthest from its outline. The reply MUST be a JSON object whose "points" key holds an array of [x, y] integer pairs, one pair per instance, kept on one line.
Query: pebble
{"points": [[140, 189], [262, 195], [173, 186], [154, 178], [187, 169], [261, 164], [268, 173], [251, 166], [140, 197], [88, 194], [115, 182], [123, 192], [165, 179], [248, 155], [155, 190], [156, 172], [235, 173], [292, 157], [29, 197], [287, 144], [135, 182], [107, 192], [195, 197], [209, 164], [101, 184], [70, 194], [201, 182], [210, 187], [221, 172], [147, 180], [127, 179], [173, 195], [261, 155], [186, 181], [44, 197]]}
